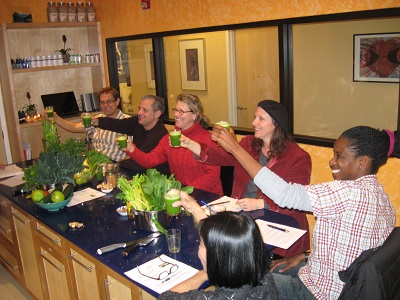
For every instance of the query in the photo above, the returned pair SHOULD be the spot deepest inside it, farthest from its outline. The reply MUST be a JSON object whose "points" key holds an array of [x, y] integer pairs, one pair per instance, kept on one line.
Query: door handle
{"points": [[241, 107]]}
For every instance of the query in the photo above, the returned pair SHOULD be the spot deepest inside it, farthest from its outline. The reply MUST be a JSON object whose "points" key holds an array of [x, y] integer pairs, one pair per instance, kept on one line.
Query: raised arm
{"points": [[69, 125]]}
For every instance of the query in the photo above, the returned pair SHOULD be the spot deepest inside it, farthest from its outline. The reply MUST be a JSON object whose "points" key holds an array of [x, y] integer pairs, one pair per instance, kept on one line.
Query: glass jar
{"points": [[90, 11], [111, 177], [52, 12], [71, 10], [62, 12], [81, 12]]}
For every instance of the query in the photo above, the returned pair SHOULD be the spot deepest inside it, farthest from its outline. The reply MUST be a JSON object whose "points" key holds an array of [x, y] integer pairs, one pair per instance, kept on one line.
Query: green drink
{"points": [[49, 111], [170, 197], [175, 135], [224, 124], [122, 141], [87, 120]]}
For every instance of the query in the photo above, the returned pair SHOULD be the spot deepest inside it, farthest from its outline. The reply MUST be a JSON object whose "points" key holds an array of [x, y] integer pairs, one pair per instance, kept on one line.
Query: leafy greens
{"points": [[145, 192]]}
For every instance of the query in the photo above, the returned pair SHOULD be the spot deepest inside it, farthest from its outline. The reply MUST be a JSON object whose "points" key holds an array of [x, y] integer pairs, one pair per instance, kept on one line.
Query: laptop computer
{"points": [[64, 104]]}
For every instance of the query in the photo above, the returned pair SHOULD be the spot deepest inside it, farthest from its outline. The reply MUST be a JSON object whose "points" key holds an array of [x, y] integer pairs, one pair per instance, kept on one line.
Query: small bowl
{"points": [[107, 191], [55, 207], [122, 211], [216, 208]]}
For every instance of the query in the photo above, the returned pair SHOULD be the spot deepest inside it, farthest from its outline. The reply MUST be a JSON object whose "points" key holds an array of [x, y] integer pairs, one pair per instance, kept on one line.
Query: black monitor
{"points": [[64, 104]]}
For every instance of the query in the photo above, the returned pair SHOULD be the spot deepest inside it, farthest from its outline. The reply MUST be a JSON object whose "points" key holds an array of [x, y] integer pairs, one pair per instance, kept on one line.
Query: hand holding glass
{"points": [[49, 111], [170, 197], [87, 120], [175, 135], [122, 141]]}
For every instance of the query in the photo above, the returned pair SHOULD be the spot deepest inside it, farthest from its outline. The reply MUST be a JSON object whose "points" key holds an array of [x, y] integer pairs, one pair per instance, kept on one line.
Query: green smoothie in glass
{"points": [[122, 141], [224, 124], [49, 111], [170, 197], [87, 120], [175, 135]]}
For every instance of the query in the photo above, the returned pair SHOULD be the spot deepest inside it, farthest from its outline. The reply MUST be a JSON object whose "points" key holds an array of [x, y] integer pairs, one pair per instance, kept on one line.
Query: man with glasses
{"points": [[146, 128]]}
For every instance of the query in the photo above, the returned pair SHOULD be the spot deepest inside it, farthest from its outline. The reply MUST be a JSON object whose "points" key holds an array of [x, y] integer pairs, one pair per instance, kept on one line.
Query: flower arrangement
{"points": [[30, 107]]}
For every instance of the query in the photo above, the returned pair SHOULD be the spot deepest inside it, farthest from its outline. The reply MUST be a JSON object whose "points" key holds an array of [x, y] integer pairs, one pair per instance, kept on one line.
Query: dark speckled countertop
{"points": [[104, 226]]}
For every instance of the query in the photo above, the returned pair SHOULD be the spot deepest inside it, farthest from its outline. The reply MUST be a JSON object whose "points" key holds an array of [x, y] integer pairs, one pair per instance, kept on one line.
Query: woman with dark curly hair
{"points": [[353, 212], [234, 258]]}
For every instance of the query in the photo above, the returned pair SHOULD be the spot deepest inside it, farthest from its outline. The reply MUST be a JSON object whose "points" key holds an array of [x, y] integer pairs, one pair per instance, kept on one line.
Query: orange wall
{"points": [[125, 17]]}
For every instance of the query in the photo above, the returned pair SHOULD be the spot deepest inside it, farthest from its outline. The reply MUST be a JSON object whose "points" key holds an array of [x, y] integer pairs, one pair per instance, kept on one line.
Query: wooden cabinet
{"points": [[84, 274], [8, 245], [41, 39], [53, 264], [22, 223]]}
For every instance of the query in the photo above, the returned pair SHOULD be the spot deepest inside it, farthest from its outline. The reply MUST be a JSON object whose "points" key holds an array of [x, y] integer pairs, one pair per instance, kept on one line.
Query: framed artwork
{"points": [[377, 57], [191, 54], [148, 57]]}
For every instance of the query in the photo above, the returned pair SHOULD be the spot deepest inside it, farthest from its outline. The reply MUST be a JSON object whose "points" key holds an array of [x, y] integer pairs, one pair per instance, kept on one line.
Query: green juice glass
{"points": [[122, 141], [224, 124], [87, 120], [175, 135], [49, 111], [170, 197]]}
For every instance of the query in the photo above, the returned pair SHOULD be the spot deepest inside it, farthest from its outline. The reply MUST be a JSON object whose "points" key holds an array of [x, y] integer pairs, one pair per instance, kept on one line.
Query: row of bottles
{"points": [[68, 12]]}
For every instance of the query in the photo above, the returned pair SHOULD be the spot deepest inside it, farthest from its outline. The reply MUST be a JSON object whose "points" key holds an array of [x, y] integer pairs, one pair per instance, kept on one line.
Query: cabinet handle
{"points": [[14, 211], [57, 242], [106, 283], [60, 269], [79, 263], [8, 264], [6, 231]]}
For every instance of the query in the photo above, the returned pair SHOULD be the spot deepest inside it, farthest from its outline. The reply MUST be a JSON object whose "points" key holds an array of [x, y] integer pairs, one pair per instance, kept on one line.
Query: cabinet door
{"points": [[55, 273], [84, 274], [27, 252], [114, 289]]}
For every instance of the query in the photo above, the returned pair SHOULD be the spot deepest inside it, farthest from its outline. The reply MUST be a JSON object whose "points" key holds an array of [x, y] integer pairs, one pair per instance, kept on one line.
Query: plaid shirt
{"points": [[352, 216]]}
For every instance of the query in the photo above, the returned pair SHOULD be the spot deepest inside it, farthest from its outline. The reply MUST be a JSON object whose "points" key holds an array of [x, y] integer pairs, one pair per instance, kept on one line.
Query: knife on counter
{"points": [[143, 242], [112, 247]]}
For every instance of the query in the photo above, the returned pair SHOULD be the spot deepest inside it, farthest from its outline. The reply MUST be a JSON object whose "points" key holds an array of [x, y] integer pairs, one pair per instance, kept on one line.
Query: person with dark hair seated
{"points": [[233, 255]]}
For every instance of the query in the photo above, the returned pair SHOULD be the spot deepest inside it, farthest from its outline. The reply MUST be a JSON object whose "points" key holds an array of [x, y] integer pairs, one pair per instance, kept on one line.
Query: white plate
{"points": [[107, 191], [122, 211]]}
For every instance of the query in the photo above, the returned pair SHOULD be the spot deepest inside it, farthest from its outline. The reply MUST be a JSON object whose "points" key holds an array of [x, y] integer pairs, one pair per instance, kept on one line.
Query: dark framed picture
{"points": [[377, 57], [193, 75]]}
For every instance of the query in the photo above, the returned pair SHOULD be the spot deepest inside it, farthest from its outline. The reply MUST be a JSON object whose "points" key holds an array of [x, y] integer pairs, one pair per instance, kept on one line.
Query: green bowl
{"points": [[55, 207]]}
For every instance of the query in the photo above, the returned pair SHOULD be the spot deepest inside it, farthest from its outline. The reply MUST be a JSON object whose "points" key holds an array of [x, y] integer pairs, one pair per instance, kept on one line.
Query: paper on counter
{"points": [[230, 206], [278, 238], [154, 267], [84, 195], [13, 181], [10, 170]]}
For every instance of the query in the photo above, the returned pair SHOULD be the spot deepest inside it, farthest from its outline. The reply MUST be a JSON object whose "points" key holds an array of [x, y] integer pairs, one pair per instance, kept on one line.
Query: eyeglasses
{"points": [[180, 111], [164, 273], [107, 102]]}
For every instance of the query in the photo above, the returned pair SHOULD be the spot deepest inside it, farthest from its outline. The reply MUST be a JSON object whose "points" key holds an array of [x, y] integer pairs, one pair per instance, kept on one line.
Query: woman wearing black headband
{"points": [[272, 146]]}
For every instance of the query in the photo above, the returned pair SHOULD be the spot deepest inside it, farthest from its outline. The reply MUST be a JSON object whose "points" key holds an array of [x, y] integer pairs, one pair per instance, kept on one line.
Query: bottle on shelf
{"points": [[71, 12], [81, 12], [52, 12], [90, 11], [62, 12]]}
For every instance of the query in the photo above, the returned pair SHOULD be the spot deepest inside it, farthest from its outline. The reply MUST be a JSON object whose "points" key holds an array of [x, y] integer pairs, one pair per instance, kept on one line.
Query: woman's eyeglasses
{"points": [[102, 103], [180, 111], [171, 268]]}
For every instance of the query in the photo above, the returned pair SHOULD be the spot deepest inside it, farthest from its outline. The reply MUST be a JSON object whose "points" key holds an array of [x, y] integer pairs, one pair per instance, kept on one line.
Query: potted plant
{"points": [[65, 51], [31, 109]]}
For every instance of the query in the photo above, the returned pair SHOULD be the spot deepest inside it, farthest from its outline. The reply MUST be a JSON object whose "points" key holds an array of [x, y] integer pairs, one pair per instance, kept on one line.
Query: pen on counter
{"points": [[277, 228], [19, 192], [209, 207]]}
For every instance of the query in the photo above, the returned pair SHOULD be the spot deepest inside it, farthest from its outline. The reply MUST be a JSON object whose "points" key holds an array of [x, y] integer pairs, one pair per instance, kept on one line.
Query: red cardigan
{"points": [[182, 163], [294, 165]]}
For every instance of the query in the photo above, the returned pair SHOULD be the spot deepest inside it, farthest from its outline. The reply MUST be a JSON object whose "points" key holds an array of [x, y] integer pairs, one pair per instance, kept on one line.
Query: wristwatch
{"points": [[307, 254]]}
